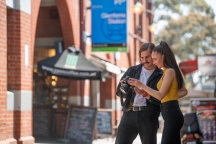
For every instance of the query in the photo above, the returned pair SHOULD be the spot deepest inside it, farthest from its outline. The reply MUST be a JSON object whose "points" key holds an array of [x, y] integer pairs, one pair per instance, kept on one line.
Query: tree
{"points": [[192, 34]]}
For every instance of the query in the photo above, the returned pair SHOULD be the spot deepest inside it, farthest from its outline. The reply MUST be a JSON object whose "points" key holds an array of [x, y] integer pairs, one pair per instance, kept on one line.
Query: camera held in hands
{"points": [[125, 86]]}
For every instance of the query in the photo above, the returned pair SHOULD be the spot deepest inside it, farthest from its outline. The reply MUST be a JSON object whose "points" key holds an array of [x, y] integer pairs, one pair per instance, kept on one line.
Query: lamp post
{"points": [[141, 20], [215, 89], [138, 8]]}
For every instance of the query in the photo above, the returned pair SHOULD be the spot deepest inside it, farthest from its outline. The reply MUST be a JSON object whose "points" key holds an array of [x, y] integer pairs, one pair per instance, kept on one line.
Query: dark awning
{"points": [[71, 63], [188, 66]]}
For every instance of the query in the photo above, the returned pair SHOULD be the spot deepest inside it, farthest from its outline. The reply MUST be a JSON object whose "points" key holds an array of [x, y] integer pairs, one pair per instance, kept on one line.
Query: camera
{"points": [[125, 86]]}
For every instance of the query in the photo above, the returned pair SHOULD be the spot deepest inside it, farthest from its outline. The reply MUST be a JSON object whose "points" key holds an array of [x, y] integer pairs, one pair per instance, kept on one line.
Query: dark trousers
{"points": [[137, 122], [173, 121]]}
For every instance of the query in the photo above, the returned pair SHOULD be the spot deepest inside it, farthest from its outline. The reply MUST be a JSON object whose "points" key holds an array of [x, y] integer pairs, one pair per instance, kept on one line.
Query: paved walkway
{"points": [[112, 140], [98, 141]]}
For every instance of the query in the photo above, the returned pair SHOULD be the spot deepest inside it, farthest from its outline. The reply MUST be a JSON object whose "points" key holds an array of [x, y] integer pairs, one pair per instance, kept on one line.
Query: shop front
{"points": [[51, 99]]}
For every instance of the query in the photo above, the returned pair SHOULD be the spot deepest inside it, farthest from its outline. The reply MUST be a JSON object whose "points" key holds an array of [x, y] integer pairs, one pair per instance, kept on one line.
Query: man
{"points": [[140, 115]]}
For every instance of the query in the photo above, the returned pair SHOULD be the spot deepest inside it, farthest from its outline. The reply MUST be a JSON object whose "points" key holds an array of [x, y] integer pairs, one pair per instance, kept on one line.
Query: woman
{"points": [[171, 87]]}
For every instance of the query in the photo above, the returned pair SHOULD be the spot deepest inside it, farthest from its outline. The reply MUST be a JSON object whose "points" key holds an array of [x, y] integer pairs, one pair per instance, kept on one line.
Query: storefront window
{"points": [[42, 91]]}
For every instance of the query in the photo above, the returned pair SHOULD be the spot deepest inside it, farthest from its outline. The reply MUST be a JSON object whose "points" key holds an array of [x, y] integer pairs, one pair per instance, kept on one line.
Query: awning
{"points": [[106, 66], [71, 63], [188, 66]]}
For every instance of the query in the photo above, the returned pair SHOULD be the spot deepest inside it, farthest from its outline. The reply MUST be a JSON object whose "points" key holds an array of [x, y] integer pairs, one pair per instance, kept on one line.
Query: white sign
{"points": [[69, 72], [207, 65], [119, 2]]}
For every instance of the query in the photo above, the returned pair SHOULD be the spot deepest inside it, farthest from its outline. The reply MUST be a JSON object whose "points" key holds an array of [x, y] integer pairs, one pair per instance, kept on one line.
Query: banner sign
{"points": [[207, 65], [109, 25]]}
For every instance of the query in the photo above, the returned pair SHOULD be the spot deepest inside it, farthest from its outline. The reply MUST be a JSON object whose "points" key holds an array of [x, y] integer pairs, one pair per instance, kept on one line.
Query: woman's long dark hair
{"points": [[169, 61]]}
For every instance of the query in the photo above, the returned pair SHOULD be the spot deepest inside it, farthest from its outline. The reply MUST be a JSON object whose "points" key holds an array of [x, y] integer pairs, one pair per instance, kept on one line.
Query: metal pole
{"points": [[215, 89], [81, 88]]}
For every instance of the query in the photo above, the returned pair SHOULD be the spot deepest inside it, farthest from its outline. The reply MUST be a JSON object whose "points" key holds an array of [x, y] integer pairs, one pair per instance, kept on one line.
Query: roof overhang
{"points": [[106, 66]]}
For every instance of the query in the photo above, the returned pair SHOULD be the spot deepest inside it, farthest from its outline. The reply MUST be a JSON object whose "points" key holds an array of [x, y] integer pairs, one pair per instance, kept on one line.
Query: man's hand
{"points": [[121, 81]]}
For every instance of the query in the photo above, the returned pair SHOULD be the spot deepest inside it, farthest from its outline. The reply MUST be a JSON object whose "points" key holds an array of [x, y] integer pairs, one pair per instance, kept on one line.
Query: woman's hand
{"points": [[135, 82], [139, 91]]}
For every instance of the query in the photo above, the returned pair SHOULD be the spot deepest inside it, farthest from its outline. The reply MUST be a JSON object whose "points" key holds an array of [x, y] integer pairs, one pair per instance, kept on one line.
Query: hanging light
{"points": [[54, 78], [152, 27], [53, 83], [35, 70], [138, 8]]}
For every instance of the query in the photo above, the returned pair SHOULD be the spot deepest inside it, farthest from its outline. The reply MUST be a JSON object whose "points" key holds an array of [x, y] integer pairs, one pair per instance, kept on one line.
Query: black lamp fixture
{"points": [[139, 29]]}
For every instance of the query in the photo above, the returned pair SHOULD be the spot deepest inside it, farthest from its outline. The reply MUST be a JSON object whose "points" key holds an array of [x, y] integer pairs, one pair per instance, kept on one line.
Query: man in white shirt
{"points": [[140, 115]]}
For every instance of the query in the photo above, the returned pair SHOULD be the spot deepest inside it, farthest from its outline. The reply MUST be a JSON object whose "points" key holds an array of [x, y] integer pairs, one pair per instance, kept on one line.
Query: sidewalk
{"points": [[112, 140], [98, 141]]}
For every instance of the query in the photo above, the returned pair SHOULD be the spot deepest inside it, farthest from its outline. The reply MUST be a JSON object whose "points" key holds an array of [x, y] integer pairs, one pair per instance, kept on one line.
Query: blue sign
{"points": [[109, 25]]}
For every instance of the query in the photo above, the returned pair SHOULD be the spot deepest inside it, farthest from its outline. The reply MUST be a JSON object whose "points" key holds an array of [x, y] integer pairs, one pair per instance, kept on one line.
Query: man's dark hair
{"points": [[145, 47]]}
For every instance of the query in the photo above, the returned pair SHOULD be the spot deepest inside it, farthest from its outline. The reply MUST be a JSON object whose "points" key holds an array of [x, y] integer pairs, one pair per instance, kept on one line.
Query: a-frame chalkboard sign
{"points": [[80, 124]]}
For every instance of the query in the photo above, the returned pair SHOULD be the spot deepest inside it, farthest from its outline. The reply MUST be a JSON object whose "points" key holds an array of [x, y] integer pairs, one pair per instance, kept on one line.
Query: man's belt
{"points": [[139, 108]]}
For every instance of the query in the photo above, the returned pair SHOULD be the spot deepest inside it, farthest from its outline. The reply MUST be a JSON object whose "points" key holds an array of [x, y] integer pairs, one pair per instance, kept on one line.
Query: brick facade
{"points": [[69, 18], [19, 35], [48, 23], [19, 66], [3, 73], [34, 17], [19, 30]]}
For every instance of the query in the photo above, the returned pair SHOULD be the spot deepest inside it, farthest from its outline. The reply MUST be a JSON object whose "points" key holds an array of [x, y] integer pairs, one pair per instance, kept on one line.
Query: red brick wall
{"points": [[107, 90], [34, 17], [48, 26], [22, 124], [69, 17], [19, 76], [19, 34], [86, 86], [10, 124], [3, 71]]}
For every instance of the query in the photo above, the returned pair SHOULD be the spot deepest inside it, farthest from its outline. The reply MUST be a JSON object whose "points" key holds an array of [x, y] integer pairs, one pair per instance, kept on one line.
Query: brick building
{"points": [[29, 29]]}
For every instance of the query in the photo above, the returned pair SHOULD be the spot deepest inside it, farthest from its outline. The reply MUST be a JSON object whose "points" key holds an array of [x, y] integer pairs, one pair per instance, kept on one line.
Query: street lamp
{"points": [[152, 27], [138, 8]]}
